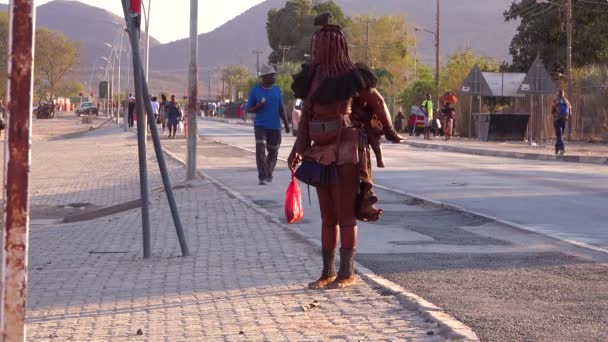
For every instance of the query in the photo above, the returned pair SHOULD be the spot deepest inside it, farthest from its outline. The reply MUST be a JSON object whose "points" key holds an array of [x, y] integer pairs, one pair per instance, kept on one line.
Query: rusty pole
{"points": [[16, 172]]}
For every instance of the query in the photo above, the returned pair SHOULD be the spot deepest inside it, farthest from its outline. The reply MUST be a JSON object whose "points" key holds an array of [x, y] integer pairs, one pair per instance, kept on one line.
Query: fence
{"points": [[589, 120]]}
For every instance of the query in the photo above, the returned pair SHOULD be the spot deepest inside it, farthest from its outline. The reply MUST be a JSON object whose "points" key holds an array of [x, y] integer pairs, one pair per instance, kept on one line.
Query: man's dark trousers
{"points": [[560, 128], [270, 140]]}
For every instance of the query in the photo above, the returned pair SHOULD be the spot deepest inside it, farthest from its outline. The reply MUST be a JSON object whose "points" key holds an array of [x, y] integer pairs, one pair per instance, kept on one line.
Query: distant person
{"points": [[448, 113], [561, 110], [155, 109], [427, 109], [173, 113], [161, 111], [399, 122], [244, 111], [131, 109], [212, 108], [266, 101]]}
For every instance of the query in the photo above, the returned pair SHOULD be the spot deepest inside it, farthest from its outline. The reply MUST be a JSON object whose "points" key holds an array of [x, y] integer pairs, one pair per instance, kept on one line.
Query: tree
{"points": [[71, 88], [457, 68], [55, 56], [235, 77], [542, 31], [387, 48], [292, 26], [413, 95]]}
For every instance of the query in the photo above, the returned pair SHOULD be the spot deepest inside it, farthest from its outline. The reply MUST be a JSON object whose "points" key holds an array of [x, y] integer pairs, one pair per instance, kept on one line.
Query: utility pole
{"points": [[257, 53], [209, 74], [146, 11], [367, 21], [17, 170], [193, 92], [285, 50], [223, 84], [569, 25], [437, 58], [415, 57]]}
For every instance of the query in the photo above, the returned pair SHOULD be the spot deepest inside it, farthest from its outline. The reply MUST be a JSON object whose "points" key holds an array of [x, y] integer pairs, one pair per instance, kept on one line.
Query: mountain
{"points": [[89, 25], [476, 23]]}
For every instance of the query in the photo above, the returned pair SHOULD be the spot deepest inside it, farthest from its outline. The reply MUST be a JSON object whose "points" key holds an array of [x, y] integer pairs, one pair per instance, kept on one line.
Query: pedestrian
{"points": [[400, 122], [161, 111], [561, 110], [448, 113], [131, 110], [244, 111], [266, 101], [155, 109], [172, 112], [427, 109], [337, 94], [212, 108]]}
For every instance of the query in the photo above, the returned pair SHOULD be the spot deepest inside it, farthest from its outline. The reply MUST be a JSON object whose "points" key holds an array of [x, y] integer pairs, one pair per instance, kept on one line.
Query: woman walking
{"points": [[340, 101]]}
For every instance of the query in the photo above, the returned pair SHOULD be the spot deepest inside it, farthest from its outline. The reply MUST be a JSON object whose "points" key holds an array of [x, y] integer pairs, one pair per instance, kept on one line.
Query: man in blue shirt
{"points": [[266, 102]]}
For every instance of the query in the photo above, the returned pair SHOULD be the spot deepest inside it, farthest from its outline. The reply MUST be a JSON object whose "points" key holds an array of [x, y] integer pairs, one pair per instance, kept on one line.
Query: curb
{"points": [[438, 204], [450, 327], [514, 225], [510, 154]]}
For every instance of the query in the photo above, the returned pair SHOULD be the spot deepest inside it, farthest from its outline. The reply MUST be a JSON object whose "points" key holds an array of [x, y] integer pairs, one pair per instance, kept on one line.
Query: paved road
{"points": [[561, 200], [506, 284], [243, 281]]}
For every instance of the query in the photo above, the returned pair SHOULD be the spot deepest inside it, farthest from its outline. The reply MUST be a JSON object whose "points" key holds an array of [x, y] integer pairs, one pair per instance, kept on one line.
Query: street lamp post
{"points": [[118, 56], [436, 34], [107, 76]]}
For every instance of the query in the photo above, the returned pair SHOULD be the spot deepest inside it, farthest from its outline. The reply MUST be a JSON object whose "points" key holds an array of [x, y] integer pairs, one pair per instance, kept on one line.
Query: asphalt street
{"points": [[505, 283], [563, 200]]}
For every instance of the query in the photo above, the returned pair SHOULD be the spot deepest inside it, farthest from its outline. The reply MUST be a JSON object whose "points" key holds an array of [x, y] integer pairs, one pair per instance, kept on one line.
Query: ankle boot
{"points": [[366, 200], [346, 274], [329, 270]]}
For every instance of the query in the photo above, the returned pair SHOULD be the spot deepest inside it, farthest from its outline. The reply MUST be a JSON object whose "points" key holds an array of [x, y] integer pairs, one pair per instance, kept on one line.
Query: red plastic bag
{"points": [[293, 202]]}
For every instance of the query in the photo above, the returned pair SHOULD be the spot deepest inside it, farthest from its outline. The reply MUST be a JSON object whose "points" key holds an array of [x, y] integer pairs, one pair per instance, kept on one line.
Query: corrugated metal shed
{"points": [[493, 84]]}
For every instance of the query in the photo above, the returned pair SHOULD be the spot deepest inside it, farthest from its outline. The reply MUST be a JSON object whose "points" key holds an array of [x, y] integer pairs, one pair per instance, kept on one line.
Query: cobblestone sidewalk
{"points": [[245, 280]]}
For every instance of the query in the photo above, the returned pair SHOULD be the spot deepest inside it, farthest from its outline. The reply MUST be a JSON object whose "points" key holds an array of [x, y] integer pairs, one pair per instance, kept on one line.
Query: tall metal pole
{"points": [[192, 92], [162, 165], [125, 114], [569, 25], [437, 58], [209, 88], [367, 43], [122, 34], [16, 171], [257, 53], [415, 57], [147, 61], [134, 34]]}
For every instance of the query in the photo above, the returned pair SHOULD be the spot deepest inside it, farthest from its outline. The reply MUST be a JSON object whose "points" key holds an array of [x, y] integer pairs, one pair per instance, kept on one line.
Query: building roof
{"points": [[494, 84]]}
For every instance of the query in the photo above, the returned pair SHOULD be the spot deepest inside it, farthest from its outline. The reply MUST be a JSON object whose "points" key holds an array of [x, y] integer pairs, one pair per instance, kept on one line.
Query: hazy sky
{"points": [[170, 19]]}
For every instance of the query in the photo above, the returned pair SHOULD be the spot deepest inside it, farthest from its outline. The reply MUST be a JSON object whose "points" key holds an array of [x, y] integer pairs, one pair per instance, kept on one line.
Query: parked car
{"points": [[415, 122], [296, 113], [87, 108]]}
